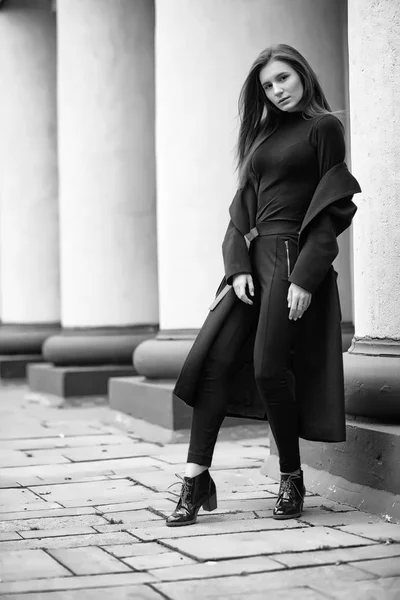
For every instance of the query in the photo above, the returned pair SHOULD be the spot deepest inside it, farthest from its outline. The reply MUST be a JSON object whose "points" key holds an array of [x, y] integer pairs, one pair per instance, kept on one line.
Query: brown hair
{"points": [[259, 117]]}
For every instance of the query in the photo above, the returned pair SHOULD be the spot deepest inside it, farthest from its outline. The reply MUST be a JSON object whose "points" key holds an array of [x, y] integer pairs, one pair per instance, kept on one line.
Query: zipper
{"points": [[287, 258]]}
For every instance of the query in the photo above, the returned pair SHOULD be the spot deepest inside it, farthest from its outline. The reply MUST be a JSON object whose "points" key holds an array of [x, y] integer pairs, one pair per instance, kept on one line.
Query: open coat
{"points": [[317, 362]]}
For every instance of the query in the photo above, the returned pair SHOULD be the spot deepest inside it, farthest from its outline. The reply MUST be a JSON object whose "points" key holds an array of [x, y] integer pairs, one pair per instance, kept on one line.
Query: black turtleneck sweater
{"points": [[291, 162]]}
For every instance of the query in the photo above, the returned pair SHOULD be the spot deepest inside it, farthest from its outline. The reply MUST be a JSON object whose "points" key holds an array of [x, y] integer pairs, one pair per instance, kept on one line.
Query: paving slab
{"points": [[140, 549], [243, 587], [212, 526], [51, 512], [46, 533], [383, 567], [32, 458], [71, 583], [15, 497], [160, 562], [205, 519], [335, 519], [157, 502], [6, 482], [6, 536], [254, 542], [84, 489], [71, 541], [377, 531], [137, 592], [220, 568], [130, 517], [127, 466], [39, 505], [29, 564], [375, 589], [103, 452], [88, 561], [53, 523], [341, 555], [65, 479]]}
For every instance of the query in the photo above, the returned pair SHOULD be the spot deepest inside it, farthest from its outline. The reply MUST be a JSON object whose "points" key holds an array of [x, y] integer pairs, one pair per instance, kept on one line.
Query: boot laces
{"points": [[288, 488], [186, 490]]}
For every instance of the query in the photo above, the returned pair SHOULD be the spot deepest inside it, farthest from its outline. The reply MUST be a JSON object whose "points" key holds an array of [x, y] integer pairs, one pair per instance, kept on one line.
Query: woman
{"points": [[271, 345]]}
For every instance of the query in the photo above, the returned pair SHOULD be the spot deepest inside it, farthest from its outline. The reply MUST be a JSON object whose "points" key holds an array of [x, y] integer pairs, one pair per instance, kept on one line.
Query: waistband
{"points": [[274, 228]]}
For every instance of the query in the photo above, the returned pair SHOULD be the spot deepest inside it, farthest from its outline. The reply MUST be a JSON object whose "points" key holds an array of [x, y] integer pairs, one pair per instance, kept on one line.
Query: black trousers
{"points": [[272, 257]]}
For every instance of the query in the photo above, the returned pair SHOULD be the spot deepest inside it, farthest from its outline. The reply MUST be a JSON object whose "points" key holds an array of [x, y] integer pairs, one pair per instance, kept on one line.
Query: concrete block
{"points": [[15, 367], [69, 382]]}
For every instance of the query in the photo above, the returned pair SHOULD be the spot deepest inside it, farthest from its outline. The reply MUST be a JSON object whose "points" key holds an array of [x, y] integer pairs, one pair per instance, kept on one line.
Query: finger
{"points": [[293, 310], [289, 297], [245, 299], [250, 285]]}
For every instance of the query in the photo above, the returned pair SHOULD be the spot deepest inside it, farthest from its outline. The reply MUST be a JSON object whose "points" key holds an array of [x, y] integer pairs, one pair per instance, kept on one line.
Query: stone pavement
{"points": [[83, 497]]}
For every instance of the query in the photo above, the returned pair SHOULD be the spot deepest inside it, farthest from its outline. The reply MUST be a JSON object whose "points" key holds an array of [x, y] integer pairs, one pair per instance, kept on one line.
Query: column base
{"points": [[15, 368], [372, 379], [81, 361], [21, 345], [74, 382], [361, 472]]}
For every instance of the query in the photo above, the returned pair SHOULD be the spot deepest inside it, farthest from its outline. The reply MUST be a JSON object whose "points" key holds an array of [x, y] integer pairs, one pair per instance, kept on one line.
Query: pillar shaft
{"points": [[107, 163], [375, 140], [28, 158], [372, 365]]}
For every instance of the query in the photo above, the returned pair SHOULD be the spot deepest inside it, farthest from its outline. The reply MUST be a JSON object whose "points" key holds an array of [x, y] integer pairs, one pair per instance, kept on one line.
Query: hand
{"points": [[298, 301], [239, 285]]}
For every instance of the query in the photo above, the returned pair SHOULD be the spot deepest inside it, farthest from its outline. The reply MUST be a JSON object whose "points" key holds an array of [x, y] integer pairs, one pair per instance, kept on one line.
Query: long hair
{"points": [[259, 117]]}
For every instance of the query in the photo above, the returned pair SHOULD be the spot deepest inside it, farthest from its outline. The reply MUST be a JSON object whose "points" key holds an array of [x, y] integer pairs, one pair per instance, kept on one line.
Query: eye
{"points": [[267, 86], [283, 77]]}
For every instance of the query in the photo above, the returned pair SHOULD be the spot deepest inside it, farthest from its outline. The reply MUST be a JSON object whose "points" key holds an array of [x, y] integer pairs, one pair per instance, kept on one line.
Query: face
{"points": [[282, 85]]}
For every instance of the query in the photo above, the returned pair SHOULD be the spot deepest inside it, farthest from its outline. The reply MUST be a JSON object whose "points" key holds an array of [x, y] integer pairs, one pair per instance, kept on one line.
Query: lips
{"points": [[283, 100]]}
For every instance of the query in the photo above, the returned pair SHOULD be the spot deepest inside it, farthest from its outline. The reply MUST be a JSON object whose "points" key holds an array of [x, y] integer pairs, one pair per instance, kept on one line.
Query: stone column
{"points": [[373, 362], [29, 273], [108, 243], [203, 53]]}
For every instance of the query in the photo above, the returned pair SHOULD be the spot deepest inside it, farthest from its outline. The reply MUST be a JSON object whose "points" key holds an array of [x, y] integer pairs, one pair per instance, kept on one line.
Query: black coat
{"points": [[317, 361]]}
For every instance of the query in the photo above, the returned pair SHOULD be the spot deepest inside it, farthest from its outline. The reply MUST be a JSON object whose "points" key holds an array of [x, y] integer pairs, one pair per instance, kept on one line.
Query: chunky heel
{"points": [[211, 503]]}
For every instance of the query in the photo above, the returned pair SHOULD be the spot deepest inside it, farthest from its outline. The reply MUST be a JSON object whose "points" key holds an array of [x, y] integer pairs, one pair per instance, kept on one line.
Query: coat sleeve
{"points": [[321, 248], [327, 137], [317, 254], [235, 253]]}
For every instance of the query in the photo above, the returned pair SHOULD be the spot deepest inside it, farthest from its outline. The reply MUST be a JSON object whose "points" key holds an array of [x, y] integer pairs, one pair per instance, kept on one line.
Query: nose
{"points": [[278, 91]]}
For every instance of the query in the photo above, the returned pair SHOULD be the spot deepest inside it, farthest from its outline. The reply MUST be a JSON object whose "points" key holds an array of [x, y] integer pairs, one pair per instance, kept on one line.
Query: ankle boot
{"points": [[290, 498], [196, 492]]}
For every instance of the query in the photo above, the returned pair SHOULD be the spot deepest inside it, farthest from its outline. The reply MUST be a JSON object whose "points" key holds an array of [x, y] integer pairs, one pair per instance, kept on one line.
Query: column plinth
{"points": [[372, 379]]}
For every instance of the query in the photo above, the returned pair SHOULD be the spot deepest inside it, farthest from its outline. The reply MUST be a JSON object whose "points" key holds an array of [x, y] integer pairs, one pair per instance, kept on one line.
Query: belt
{"points": [[273, 228]]}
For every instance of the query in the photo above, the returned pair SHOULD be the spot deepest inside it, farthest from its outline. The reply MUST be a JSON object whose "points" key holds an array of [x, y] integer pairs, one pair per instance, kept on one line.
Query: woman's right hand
{"points": [[239, 285]]}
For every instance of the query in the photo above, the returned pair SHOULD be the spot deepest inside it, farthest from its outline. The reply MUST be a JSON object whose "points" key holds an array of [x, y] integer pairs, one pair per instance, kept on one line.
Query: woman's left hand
{"points": [[298, 301]]}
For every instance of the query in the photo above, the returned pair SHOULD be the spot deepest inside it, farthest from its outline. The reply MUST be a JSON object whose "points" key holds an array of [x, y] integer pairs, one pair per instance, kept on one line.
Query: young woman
{"points": [[270, 347]]}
